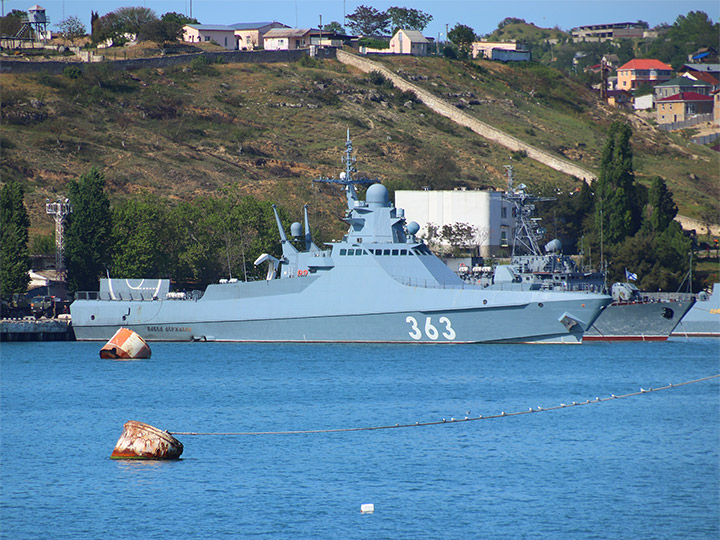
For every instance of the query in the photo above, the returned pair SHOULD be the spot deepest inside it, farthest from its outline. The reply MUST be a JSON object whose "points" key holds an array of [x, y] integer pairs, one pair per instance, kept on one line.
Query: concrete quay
{"points": [[36, 330]]}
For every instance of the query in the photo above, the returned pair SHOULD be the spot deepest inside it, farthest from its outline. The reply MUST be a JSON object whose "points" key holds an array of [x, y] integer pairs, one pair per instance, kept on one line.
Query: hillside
{"points": [[271, 128]]}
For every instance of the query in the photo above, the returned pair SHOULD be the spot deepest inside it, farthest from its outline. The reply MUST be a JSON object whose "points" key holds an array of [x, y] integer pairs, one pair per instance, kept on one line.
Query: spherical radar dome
{"points": [[377, 195], [413, 227], [296, 229]]}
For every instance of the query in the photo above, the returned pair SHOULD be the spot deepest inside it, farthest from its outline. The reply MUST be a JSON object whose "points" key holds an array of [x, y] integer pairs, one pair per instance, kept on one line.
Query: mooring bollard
{"points": [[125, 344], [143, 441]]}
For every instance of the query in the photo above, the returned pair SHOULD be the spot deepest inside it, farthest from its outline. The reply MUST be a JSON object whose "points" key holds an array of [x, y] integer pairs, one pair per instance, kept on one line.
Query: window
{"points": [[503, 238], [343, 252], [386, 252], [358, 252], [395, 252], [403, 252], [503, 211], [351, 252], [207, 38]]}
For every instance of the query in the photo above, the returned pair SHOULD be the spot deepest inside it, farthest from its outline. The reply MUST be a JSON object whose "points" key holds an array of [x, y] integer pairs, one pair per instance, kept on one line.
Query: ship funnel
{"points": [[554, 246]]}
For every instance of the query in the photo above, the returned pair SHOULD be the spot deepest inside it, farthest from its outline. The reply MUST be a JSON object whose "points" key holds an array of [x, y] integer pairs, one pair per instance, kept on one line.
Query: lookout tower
{"points": [[60, 210], [34, 25]]}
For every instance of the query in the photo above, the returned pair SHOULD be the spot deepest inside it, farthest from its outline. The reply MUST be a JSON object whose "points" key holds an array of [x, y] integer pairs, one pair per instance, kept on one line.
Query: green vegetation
{"points": [[87, 237], [14, 255], [183, 135]]}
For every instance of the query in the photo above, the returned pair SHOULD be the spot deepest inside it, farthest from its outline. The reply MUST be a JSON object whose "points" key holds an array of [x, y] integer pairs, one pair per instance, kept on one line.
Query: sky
{"points": [[482, 16]]}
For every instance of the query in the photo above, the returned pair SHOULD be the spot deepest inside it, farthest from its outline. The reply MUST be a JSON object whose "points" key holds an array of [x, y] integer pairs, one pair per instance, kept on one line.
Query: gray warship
{"points": [[633, 315], [703, 319], [380, 284]]}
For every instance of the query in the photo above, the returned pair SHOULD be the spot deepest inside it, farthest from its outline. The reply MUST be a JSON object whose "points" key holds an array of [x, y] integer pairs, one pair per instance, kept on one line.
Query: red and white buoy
{"points": [[143, 441], [125, 344]]}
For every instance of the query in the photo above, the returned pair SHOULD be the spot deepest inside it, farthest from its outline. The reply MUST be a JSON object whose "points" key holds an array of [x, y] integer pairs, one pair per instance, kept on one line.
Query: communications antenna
{"points": [[60, 210]]}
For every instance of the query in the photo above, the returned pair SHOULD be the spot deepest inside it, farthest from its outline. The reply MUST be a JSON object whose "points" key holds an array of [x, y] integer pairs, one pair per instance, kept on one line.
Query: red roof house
{"points": [[682, 106], [641, 71]]}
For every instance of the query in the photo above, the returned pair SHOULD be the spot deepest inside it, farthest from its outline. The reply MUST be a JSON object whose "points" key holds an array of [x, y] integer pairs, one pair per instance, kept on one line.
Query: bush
{"points": [[72, 72], [378, 79]]}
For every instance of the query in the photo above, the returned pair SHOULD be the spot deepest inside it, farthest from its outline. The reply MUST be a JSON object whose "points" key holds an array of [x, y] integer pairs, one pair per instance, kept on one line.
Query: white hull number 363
{"points": [[431, 331]]}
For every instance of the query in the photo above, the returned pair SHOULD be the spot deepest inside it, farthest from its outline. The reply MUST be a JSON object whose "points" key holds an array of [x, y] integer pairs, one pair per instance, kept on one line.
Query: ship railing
{"points": [[137, 297]]}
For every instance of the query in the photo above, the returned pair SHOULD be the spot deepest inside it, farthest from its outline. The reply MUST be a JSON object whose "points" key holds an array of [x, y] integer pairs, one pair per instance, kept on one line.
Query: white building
{"points": [[486, 211], [278, 39], [209, 33]]}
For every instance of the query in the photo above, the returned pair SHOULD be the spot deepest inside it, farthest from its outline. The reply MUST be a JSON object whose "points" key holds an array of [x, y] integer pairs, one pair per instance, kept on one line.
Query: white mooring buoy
{"points": [[368, 508]]}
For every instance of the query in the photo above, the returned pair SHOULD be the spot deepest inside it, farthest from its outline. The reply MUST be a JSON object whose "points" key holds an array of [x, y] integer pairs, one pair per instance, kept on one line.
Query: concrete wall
{"points": [[481, 209], [444, 108], [262, 57]]}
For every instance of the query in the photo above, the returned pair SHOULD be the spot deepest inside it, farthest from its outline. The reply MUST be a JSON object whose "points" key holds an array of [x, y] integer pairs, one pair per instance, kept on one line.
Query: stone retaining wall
{"points": [[265, 57], [444, 108]]}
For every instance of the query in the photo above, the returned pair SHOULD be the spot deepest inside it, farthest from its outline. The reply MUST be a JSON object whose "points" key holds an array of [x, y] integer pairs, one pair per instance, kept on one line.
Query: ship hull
{"points": [[703, 319], [643, 321], [291, 312]]}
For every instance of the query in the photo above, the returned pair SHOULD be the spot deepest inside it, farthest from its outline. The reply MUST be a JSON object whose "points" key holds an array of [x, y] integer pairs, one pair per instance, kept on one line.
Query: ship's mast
{"points": [[346, 177], [527, 230]]}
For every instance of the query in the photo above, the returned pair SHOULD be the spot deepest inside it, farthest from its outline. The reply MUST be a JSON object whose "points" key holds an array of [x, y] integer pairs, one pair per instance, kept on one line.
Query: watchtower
{"points": [[60, 210]]}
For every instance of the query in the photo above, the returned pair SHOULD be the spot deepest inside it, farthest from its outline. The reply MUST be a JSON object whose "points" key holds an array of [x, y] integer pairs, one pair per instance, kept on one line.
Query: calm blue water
{"points": [[642, 467]]}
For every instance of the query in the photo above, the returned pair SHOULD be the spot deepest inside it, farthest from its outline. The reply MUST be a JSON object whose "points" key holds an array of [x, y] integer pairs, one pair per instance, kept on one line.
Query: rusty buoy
{"points": [[143, 441], [125, 344]]}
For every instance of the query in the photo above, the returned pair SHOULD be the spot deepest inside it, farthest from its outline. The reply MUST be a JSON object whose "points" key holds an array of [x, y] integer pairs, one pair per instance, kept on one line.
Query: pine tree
{"points": [[88, 234], [617, 212], [14, 253]]}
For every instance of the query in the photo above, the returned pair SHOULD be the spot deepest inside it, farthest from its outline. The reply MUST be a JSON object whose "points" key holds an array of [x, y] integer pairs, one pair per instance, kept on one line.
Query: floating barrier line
{"points": [[456, 420]]}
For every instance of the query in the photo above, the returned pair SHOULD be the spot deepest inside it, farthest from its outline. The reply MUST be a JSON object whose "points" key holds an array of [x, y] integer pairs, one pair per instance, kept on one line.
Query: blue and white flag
{"points": [[630, 276]]}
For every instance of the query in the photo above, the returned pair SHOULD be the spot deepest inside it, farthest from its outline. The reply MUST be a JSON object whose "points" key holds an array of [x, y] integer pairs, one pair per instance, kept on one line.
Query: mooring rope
{"points": [[455, 420]]}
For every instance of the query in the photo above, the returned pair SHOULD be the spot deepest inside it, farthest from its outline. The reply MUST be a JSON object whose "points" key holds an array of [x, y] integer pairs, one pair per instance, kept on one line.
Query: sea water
{"points": [[638, 467]]}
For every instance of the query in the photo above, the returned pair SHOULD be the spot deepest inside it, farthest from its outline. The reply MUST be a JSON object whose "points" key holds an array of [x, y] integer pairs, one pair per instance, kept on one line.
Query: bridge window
{"points": [[343, 252]]}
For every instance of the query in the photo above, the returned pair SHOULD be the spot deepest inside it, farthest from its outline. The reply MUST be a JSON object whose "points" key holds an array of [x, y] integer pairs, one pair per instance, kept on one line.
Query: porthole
{"points": [[92, 317], [484, 302], [540, 304]]}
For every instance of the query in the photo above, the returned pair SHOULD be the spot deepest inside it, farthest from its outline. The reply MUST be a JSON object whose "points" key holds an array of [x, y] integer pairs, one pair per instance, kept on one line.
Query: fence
{"points": [[694, 121]]}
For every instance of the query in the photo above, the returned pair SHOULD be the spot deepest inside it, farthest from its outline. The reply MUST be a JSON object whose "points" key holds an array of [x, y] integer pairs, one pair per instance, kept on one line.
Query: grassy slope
{"points": [[178, 132]]}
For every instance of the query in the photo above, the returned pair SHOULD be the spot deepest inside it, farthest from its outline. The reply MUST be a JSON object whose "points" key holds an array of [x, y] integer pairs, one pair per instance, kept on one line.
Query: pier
{"points": [[36, 330]]}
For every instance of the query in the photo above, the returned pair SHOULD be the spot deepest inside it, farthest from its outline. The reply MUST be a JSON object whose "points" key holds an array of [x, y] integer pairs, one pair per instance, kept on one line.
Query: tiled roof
{"points": [[645, 63], [705, 77], [687, 96]]}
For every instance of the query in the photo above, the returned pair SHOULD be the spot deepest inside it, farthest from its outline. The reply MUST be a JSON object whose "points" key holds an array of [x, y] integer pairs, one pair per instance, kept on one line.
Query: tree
{"points": [[132, 19], [88, 233], [14, 254], [334, 28], [160, 32], [368, 21], [408, 19], [661, 208], [617, 213], [11, 23], [462, 36], [119, 25], [178, 18], [459, 235], [72, 28], [140, 238]]}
